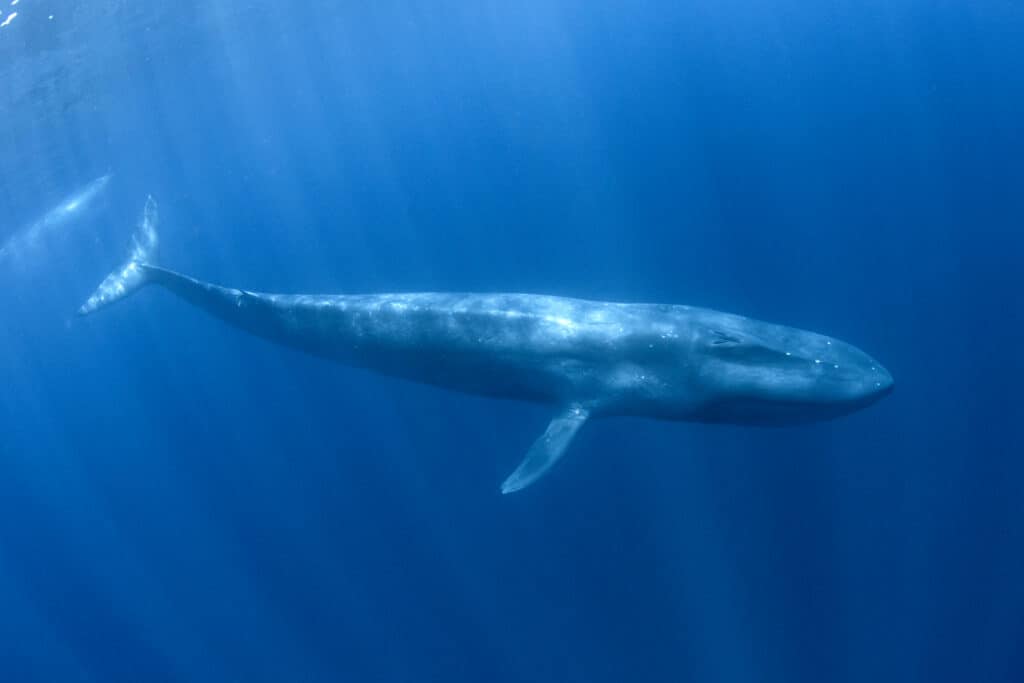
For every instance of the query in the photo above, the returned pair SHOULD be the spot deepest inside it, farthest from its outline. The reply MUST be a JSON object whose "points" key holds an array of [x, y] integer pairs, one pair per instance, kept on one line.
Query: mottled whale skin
{"points": [[584, 358]]}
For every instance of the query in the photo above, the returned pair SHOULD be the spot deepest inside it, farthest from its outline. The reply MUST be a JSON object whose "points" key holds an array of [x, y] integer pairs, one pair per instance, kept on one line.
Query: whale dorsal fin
{"points": [[547, 449]]}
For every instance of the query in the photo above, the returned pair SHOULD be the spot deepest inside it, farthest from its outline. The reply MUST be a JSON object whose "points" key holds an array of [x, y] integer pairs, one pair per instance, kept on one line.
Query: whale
{"points": [[73, 207], [584, 359]]}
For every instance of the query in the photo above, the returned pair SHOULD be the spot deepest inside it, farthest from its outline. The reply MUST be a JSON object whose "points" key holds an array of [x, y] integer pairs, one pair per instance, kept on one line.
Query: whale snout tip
{"points": [[884, 384]]}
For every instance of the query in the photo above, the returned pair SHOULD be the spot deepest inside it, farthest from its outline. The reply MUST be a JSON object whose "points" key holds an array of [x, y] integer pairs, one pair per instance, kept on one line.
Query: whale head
{"points": [[754, 372]]}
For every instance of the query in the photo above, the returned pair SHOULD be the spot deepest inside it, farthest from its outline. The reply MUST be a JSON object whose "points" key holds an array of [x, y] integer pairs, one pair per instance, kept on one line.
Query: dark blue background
{"points": [[181, 502]]}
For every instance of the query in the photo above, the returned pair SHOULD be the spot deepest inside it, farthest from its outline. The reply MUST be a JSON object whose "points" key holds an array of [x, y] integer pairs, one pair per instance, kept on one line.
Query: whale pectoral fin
{"points": [[547, 449]]}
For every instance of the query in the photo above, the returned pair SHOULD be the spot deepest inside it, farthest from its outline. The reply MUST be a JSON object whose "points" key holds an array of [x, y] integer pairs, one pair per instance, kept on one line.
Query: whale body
{"points": [[584, 358], [71, 208]]}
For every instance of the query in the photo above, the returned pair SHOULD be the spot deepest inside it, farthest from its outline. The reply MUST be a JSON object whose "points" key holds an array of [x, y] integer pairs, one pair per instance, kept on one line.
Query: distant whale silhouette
{"points": [[71, 207], [584, 358]]}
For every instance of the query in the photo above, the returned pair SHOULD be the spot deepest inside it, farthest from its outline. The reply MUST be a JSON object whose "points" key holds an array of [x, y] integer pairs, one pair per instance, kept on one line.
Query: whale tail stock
{"points": [[132, 274], [139, 269]]}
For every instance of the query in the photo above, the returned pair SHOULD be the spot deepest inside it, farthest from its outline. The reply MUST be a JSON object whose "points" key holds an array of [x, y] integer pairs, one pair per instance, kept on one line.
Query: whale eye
{"points": [[719, 338]]}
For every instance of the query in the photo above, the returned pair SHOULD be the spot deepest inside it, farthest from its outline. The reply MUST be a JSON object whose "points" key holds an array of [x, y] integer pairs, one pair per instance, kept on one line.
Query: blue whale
{"points": [[71, 208], [584, 358]]}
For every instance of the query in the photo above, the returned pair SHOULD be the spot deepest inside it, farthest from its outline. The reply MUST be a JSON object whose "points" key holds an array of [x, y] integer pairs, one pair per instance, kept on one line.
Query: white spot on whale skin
{"points": [[817, 361], [565, 323]]}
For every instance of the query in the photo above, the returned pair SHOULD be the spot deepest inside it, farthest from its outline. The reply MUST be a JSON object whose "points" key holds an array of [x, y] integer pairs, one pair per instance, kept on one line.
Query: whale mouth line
{"points": [[782, 412]]}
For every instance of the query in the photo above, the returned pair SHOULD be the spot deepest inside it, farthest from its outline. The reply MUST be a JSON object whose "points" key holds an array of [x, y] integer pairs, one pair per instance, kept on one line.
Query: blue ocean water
{"points": [[182, 502]]}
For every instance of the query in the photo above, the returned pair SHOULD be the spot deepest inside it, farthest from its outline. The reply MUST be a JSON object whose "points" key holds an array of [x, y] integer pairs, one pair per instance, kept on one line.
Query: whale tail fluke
{"points": [[131, 275]]}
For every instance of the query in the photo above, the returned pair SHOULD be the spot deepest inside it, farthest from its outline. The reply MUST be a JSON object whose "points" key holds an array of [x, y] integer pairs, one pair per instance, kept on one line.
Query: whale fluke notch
{"points": [[547, 449], [132, 273]]}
